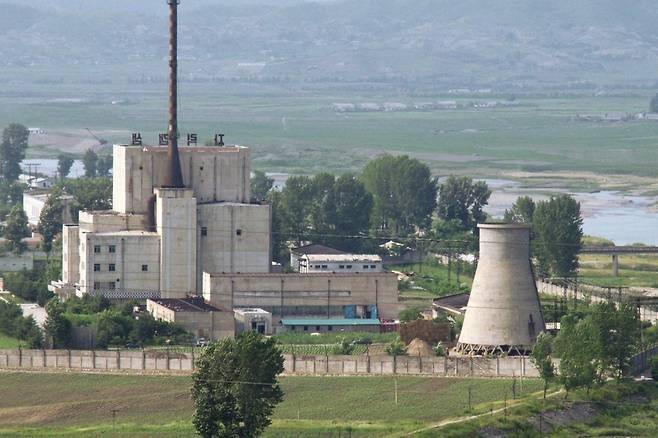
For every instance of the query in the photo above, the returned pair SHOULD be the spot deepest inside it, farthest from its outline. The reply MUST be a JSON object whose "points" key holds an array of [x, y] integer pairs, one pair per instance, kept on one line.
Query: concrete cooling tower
{"points": [[503, 313]]}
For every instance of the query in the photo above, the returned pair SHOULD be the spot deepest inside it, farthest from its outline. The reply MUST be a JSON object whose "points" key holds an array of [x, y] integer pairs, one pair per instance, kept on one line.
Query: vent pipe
{"points": [[174, 175]]}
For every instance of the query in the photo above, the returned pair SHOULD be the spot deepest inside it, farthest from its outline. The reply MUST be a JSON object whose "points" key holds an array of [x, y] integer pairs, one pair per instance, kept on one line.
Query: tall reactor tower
{"points": [[503, 313]]}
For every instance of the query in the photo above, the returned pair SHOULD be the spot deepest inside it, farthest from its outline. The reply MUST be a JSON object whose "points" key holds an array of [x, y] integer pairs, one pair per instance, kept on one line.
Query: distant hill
{"points": [[469, 41]]}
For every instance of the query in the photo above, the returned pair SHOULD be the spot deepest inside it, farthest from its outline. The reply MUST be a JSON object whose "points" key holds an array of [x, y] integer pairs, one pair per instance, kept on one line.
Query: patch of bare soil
{"points": [[575, 413]]}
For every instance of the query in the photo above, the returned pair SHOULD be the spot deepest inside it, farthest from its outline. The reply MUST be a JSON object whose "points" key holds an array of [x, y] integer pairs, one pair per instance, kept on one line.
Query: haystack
{"points": [[418, 347]]}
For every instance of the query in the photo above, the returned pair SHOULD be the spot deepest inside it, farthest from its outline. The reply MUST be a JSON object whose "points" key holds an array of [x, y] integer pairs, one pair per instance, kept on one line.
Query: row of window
{"points": [[110, 248], [113, 267], [317, 328], [204, 232]]}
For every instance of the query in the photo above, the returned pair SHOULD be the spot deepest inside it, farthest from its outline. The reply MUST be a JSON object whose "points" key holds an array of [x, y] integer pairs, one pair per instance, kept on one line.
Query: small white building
{"points": [[34, 201], [36, 182], [342, 263], [254, 319]]}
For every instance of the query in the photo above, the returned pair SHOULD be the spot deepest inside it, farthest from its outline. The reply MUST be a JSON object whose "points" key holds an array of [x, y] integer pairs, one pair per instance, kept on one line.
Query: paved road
{"points": [[35, 311]]}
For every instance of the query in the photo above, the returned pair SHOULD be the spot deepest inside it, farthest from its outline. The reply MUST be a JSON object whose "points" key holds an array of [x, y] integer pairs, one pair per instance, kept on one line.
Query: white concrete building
{"points": [[35, 200], [157, 242], [341, 263]]}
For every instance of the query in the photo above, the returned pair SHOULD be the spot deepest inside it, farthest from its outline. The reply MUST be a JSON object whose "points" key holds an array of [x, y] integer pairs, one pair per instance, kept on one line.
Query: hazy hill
{"points": [[470, 41]]}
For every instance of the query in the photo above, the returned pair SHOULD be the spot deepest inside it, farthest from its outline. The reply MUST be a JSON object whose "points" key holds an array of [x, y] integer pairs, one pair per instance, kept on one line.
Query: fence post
{"points": [[395, 364], [471, 364], [93, 359], [68, 353], [497, 366], [143, 359], [118, 359], [43, 357], [294, 363], [20, 357]]}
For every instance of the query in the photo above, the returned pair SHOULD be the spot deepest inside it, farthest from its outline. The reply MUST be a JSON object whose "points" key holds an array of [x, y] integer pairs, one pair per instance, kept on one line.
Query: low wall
{"points": [[138, 361]]}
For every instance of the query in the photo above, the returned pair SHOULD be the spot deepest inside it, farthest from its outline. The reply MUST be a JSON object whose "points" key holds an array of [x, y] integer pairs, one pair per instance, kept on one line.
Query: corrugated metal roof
{"points": [[330, 321]]}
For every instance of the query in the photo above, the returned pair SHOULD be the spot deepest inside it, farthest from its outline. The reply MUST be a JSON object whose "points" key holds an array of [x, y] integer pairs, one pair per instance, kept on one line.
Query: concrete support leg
{"points": [[615, 265]]}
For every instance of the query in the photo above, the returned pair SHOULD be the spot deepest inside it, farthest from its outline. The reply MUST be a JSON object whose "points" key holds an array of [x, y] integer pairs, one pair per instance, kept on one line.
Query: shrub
{"points": [[396, 348]]}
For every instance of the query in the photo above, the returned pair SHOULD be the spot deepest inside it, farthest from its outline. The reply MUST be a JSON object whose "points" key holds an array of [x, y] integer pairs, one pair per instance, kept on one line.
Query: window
{"points": [[145, 268], [292, 328], [324, 266], [372, 266], [112, 248], [317, 266], [349, 266], [341, 266], [97, 249], [330, 327], [305, 328], [97, 267], [317, 328], [238, 232], [204, 231], [365, 266], [111, 285], [113, 267]]}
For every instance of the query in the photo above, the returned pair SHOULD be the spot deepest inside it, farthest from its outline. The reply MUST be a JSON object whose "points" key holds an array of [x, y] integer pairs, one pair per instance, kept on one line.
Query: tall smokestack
{"points": [[174, 176]]}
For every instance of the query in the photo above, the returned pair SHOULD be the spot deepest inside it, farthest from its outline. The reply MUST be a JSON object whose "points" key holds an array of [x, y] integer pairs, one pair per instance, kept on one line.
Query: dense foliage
{"points": [[12, 151], [12, 323], [261, 184], [235, 387], [16, 229], [32, 285], [404, 193], [463, 200], [558, 233]]}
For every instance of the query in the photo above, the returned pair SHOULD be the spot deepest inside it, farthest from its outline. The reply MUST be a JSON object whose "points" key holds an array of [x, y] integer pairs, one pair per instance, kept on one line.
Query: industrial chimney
{"points": [[174, 175], [503, 313]]}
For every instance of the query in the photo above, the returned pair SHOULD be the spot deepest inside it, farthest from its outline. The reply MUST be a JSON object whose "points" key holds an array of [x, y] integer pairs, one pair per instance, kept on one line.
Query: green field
{"points": [[8, 343], [638, 270], [79, 405], [297, 131]]}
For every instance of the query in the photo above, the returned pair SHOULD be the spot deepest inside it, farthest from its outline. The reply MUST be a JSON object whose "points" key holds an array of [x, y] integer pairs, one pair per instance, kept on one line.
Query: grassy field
{"points": [[81, 405], [639, 270], [297, 131], [8, 343]]}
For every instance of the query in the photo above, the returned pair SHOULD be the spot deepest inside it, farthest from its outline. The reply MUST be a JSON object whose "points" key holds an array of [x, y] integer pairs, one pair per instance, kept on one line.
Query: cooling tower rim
{"points": [[505, 226]]}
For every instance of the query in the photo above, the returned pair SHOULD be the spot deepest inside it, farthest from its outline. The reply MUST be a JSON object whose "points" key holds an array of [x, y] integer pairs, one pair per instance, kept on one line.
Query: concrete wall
{"points": [[214, 173], [176, 219], [233, 238], [293, 364], [10, 262], [324, 291], [132, 249], [70, 253]]}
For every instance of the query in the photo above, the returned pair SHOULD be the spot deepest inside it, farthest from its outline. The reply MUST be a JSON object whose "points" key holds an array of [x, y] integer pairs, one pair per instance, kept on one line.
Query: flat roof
{"points": [[127, 233], [191, 304], [374, 258], [456, 302], [328, 274], [315, 248], [330, 321]]}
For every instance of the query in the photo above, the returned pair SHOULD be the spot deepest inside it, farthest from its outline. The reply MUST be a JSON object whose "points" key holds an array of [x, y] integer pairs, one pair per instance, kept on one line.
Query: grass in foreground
{"points": [[8, 343], [79, 405]]}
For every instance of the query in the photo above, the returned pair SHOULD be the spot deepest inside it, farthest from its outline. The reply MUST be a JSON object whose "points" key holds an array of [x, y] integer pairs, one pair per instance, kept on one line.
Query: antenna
{"points": [[174, 176]]}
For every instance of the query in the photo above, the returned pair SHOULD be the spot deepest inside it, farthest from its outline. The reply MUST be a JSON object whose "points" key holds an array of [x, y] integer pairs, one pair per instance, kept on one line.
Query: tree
{"points": [[404, 193], [522, 211], [558, 233], [235, 387], [541, 359], [410, 314], [57, 326], [261, 184], [462, 199], [64, 164], [90, 162], [16, 229], [12, 150], [280, 252], [297, 202], [653, 105], [90, 193], [104, 165], [576, 346], [13, 324], [344, 211], [50, 220]]}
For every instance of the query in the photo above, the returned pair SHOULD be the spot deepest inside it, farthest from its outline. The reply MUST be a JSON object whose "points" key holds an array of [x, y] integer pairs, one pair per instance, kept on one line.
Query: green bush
{"points": [[396, 348], [653, 363]]}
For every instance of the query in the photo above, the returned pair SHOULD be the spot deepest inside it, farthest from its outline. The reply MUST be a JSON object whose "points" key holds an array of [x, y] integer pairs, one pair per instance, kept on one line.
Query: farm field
{"points": [[635, 270], [79, 405], [298, 131]]}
